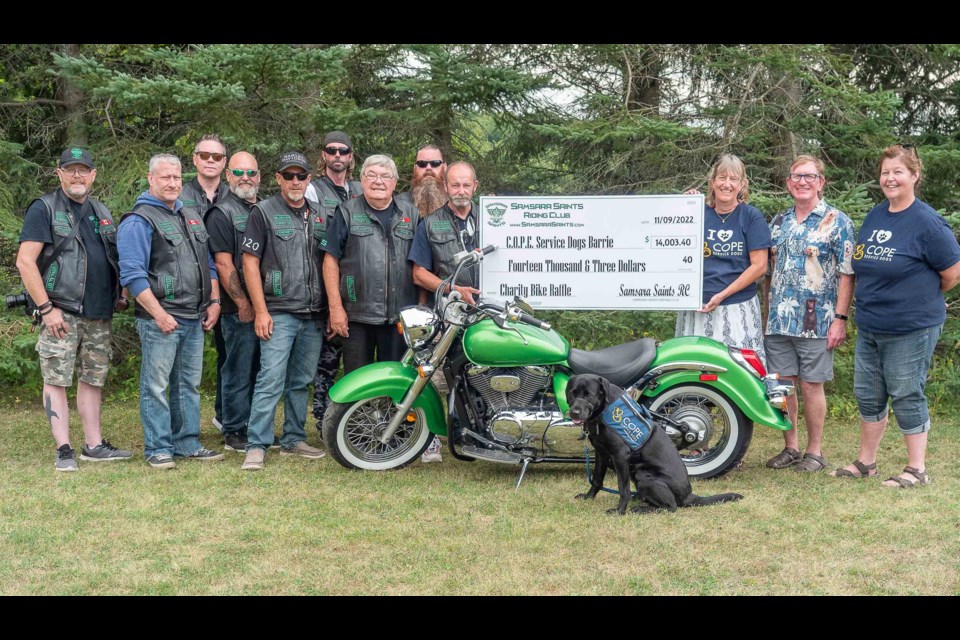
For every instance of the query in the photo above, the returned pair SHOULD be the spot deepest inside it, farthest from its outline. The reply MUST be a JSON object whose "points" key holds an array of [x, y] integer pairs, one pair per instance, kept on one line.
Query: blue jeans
{"points": [[170, 363], [288, 362], [239, 372], [894, 367]]}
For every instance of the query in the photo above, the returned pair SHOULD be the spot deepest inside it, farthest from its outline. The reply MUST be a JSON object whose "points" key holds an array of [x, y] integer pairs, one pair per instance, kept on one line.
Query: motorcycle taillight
{"points": [[749, 360]]}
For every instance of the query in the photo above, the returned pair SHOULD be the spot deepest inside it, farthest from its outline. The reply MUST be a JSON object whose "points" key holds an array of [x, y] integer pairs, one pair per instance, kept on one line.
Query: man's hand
{"points": [[836, 334], [166, 323], [338, 322], [55, 324], [213, 312], [263, 326], [467, 293]]}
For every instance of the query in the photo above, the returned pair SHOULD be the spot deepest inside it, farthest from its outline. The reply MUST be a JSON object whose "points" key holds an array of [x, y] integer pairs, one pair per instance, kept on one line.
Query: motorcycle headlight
{"points": [[418, 325]]}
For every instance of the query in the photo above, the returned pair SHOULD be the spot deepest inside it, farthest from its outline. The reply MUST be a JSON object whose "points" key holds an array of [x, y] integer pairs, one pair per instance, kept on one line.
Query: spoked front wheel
{"points": [[352, 434]]}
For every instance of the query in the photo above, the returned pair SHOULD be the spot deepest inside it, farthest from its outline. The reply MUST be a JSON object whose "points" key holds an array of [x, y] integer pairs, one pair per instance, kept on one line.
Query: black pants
{"points": [[367, 339], [221, 358], [327, 368]]}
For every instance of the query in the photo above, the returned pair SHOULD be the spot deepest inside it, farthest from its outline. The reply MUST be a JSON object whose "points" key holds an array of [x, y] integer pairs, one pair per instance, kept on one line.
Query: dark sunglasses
{"points": [[333, 151], [423, 164], [240, 172], [208, 155], [289, 175], [910, 147]]}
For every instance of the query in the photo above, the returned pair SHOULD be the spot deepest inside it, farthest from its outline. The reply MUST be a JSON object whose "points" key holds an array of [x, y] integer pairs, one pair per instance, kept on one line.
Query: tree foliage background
{"points": [[533, 119]]}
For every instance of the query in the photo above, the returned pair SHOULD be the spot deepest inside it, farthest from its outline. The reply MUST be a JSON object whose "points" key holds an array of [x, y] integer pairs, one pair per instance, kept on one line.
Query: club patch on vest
{"points": [[360, 218], [282, 219], [167, 228], [240, 221], [52, 274], [330, 202], [61, 217], [106, 225], [276, 281], [629, 420], [188, 202], [169, 290], [441, 225], [351, 289], [284, 233]]}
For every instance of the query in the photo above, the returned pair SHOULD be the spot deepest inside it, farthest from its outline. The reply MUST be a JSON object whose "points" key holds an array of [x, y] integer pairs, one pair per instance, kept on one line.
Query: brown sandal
{"points": [[903, 483], [786, 458], [864, 470], [811, 463]]}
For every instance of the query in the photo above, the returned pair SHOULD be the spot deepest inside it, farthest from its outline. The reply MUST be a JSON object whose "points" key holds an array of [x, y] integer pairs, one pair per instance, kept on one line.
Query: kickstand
{"points": [[523, 470]]}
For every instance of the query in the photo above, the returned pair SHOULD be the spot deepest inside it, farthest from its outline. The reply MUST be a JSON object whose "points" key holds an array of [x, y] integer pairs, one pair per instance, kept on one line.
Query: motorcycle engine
{"points": [[516, 414]]}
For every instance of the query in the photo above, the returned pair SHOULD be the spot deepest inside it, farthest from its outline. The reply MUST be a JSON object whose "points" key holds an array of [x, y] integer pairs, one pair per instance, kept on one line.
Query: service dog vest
{"points": [[629, 420]]}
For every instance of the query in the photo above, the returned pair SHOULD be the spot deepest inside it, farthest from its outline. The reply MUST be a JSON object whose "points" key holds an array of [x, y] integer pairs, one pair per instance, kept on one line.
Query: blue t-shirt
{"points": [[728, 240], [101, 281], [897, 262]]}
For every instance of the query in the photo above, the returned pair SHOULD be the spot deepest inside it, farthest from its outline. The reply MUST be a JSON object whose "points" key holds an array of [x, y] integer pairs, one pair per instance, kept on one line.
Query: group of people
{"points": [[318, 272], [289, 284], [896, 268]]}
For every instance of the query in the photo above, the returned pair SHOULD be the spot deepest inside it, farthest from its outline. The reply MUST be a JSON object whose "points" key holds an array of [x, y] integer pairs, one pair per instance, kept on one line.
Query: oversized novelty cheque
{"points": [[594, 252]]}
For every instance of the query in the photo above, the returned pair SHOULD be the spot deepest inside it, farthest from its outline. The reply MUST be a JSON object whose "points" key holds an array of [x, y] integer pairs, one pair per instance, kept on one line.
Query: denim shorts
{"points": [[893, 367]]}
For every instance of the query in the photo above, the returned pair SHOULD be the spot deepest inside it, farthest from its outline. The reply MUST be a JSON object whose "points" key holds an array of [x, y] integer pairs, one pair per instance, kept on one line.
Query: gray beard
{"points": [[295, 196], [461, 202], [428, 196], [245, 192]]}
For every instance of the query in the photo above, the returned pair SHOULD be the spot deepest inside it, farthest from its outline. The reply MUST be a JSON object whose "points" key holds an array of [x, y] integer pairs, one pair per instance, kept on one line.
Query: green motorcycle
{"points": [[507, 374]]}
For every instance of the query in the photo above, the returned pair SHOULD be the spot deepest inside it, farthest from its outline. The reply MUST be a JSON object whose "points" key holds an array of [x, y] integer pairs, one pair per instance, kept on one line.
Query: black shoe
{"points": [[235, 441], [276, 443]]}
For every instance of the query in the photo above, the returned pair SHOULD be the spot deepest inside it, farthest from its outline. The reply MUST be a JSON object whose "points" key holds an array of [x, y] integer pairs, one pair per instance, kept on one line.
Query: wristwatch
{"points": [[214, 300], [840, 316]]}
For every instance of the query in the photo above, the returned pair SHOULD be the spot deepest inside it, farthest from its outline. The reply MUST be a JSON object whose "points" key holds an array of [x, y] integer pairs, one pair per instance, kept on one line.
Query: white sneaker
{"points": [[432, 454]]}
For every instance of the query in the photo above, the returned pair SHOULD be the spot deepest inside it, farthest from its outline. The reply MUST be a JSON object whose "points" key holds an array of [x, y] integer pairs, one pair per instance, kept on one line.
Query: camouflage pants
{"points": [[327, 369], [86, 340]]}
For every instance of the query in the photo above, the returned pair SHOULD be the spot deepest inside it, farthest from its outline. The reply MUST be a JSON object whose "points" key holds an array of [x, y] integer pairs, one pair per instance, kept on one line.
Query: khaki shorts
{"points": [[88, 339], [807, 358]]}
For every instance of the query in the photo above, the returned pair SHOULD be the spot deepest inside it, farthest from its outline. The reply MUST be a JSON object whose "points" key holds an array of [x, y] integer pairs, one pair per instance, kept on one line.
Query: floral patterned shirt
{"points": [[809, 258]]}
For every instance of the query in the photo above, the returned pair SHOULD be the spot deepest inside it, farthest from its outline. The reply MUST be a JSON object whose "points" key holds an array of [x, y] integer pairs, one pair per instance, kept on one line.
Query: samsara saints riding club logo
{"points": [[76, 153], [496, 211]]}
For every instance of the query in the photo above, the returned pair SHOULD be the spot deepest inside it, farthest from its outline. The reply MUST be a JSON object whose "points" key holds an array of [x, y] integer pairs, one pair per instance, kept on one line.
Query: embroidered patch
{"points": [[441, 225], [277, 282], [61, 217], [330, 202], [193, 223], [351, 289], [52, 274], [188, 202], [284, 233], [169, 291], [166, 227], [282, 219], [360, 218], [240, 221], [629, 420]]}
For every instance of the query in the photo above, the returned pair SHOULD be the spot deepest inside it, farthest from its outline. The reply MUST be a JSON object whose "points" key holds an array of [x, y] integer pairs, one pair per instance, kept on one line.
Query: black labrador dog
{"points": [[656, 468]]}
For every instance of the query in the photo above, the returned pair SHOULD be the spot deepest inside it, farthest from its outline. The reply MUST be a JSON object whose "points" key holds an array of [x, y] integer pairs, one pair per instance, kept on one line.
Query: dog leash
{"points": [[586, 457]]}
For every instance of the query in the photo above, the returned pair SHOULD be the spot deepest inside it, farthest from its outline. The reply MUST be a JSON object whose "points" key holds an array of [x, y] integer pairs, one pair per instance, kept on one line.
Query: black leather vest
{"points": [[237, 212], [65, 279], [179, 269], [376, 281], [443, 234], [290, 267]]}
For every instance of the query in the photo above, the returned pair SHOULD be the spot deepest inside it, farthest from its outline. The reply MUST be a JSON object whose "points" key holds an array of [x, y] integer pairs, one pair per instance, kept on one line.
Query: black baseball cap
{"points": [[293, 159], [76, 155]]}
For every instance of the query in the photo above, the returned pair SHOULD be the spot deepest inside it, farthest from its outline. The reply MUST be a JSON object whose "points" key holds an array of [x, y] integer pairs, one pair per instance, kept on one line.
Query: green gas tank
{"points": [[487, 344]]}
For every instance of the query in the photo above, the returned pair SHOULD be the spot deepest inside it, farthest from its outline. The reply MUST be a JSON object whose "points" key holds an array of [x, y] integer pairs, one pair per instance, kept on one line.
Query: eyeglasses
{"points": [[289, 175], [733, 179], [240, 172], [809, 177], [83, 173], [379, 177], [334, 151], [209, 155], [423, 164]]}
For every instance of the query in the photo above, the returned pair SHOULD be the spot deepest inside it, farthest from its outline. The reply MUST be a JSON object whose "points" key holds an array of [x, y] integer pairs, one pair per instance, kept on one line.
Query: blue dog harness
{"points": [[629, 420]]}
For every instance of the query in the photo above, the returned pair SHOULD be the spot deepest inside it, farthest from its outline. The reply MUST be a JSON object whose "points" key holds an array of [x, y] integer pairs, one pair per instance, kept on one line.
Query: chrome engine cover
{"points": [[504, 387], [546, 431]]}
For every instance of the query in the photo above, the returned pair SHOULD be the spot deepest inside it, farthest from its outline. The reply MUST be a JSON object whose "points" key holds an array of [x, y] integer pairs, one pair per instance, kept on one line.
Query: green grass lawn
{"points": [[312, 527]]}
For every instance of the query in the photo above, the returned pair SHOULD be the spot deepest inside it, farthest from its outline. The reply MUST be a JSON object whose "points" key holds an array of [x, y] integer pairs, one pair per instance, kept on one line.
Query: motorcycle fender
{"points": [[743, 390], [390, 379], [560, 381]]}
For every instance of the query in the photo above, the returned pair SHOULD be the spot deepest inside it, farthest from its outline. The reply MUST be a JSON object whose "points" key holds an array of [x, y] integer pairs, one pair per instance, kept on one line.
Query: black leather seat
{"points": [[621, 365]]}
